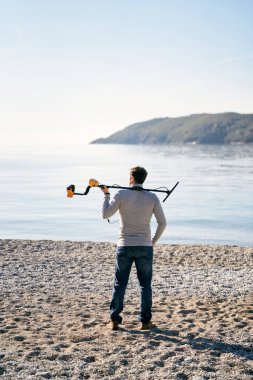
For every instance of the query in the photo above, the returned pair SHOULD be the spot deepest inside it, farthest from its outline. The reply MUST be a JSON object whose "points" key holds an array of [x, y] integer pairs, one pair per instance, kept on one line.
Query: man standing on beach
{"points": [[135, 243]]}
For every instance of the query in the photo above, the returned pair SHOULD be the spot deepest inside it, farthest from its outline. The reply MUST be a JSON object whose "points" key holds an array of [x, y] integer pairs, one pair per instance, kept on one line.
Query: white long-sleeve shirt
{"points": [[136, 208]]}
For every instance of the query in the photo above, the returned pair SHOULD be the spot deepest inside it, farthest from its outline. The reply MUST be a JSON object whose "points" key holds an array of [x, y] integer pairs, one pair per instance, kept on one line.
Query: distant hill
{"points": [[222, 128]]}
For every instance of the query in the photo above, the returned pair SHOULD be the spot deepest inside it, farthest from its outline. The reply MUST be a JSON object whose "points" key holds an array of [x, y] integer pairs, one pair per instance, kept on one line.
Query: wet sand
{"points": [[55, 297]]}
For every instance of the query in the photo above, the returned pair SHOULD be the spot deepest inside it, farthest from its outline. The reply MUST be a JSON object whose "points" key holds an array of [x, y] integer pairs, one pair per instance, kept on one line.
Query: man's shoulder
{"points": [[126, 193], [151, 195]]}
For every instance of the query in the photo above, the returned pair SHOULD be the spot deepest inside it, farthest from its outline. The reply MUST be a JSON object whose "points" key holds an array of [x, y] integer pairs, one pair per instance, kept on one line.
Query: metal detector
{"points": [[94, 183]]}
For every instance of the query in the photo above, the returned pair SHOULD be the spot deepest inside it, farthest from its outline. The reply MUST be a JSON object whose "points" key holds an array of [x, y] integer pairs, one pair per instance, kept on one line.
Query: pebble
{"points": [[188, 359], [45, 375]]}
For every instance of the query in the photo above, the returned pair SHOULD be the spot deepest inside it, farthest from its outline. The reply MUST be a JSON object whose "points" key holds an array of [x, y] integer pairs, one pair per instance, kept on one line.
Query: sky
{"points": [[75, 70]]}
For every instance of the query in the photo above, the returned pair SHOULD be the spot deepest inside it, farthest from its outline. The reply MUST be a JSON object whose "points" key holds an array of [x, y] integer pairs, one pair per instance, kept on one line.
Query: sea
{"points": [[213, 203]]}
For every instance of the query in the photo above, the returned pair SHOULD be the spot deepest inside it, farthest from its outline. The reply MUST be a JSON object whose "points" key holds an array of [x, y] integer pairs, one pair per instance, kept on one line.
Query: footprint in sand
{"points": [[90, 323], [19, 338], [154, 343], [81, 338]]}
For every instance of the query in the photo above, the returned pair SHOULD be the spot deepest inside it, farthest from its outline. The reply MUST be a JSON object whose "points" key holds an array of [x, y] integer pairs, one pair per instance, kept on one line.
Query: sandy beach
{"points": [[55, 298]]}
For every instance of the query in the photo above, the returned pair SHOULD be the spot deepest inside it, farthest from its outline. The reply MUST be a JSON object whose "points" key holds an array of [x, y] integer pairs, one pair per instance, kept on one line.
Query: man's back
{"points": [[136, 208]]}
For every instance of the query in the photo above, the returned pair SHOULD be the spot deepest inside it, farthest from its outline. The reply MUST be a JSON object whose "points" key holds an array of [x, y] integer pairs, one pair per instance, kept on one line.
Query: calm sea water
{"points": [[212, 204]]}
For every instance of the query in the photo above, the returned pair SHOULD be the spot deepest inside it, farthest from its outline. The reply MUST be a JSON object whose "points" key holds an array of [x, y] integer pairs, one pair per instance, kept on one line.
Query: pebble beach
{"points": [[55, 298]]}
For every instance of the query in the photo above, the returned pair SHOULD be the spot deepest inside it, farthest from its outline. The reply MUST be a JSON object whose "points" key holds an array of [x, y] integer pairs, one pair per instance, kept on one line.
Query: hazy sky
{"points": [[75, 70]]}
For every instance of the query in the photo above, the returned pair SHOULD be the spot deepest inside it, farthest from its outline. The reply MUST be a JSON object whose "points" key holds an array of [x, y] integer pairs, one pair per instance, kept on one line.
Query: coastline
{"points": [[55, 298]]}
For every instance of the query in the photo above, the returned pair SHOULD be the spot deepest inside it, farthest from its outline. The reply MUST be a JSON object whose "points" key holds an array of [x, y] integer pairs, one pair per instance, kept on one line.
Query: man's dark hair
{"points": [[139, 174]]}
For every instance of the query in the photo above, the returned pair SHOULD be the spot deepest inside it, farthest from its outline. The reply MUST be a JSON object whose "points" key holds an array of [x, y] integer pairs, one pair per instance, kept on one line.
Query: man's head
{"points": [[138, 175]]}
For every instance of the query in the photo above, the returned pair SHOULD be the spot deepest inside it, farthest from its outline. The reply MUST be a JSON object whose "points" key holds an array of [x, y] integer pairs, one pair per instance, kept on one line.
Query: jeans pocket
{"points": [[121, 251]]}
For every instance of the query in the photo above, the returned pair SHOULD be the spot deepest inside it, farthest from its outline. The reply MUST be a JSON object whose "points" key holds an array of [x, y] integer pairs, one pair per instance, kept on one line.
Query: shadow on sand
{"points": [[197, 343]]}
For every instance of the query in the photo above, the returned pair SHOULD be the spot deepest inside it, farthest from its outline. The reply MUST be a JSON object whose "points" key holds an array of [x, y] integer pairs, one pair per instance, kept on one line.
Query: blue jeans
{"points": [[143, 259]]}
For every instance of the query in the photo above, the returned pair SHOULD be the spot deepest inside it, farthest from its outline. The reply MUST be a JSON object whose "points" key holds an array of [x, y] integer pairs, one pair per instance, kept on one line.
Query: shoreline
{"points": [[54, 309], [114, 242]]}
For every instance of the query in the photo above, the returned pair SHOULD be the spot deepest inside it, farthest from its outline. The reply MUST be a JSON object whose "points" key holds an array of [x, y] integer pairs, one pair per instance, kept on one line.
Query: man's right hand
{"points": [[105, 189]]}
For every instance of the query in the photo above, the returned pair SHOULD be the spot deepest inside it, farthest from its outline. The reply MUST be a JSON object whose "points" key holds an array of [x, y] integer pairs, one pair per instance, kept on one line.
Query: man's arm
{"points": [[161, 221], [109, 208]]}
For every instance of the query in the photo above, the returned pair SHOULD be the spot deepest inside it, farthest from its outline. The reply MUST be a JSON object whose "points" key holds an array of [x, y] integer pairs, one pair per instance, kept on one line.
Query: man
{"points": [[135, 244]]}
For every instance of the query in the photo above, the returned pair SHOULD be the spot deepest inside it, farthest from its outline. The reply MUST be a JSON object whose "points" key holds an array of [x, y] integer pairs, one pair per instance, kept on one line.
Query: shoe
{"points": [[147, 326], [113, 325]]}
